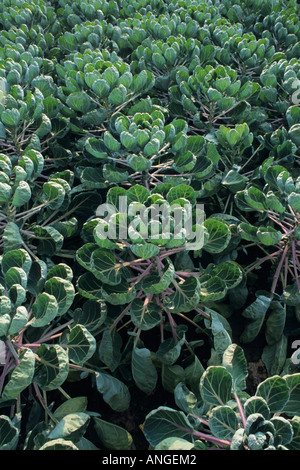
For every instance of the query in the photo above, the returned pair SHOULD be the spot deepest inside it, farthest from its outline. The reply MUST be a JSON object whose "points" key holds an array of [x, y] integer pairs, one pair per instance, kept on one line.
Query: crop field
{"points": [[150, 226]]}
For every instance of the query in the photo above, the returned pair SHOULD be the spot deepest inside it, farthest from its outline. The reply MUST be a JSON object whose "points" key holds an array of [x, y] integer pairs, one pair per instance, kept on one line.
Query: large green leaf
{"points": [[145, 315], [275, 391], [216, 385], [223, 422], [52, 367], [21, 376], [71, 427], [115, 393], [79, 101], [291, 408], [165, 422], [9, 434], [92, 315], [81, 344], [143, 370], [110, 349], [118, 295], [219, 235], [235, 362], [44, 310], [105, 268], [113, 437], [63, 290], [186, 296], [255, 312]]}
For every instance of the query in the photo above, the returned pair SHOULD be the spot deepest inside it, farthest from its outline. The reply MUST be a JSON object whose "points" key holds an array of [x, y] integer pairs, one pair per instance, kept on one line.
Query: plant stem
{"points": [[241, 409], [275, 279]]}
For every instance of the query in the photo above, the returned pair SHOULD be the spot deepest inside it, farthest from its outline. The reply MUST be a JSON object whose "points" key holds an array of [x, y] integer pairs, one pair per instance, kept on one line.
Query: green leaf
{"points": [[223, 422], [256, 405], [137, 193], [138, 162], [128, 141], [181, 191], [5, 192], [212, 288], [143, 370], [118, 95], [256, 198], [96, 148], [219, 235], [256, 313], [58, 444], [234, 181], [81, 344], [169, 350], [11, 237], [113, 437], [21, 376], [16, 258], [84, 255], [230, 273], [248, 232], [295, 444], [110, 349], [174, 444], [283, 430], [15, 276], [235, 362], [115, 393], [92, 315], [11, 117], [152, 148], [19, 320], [50, 240], [144, 315], [268, 235], [72, 405], [275, 391], [55, 194], [291, 408], [89, 286], [145, 251], [275, 322], [9, 434], [221, 331], [111, 75], [186, 296], [63, 291], [52, 367], [110, 142], [71, 427], [216, 385], [79, 101], [22, 194], [163, 423], [118, 295], [101, 88], [105, 268], [294, 201]]}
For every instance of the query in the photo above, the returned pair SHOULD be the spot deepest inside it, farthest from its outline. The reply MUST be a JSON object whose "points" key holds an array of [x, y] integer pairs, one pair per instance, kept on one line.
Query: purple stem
{"points": [[277, 273], [295, 263], [241, 409]]}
